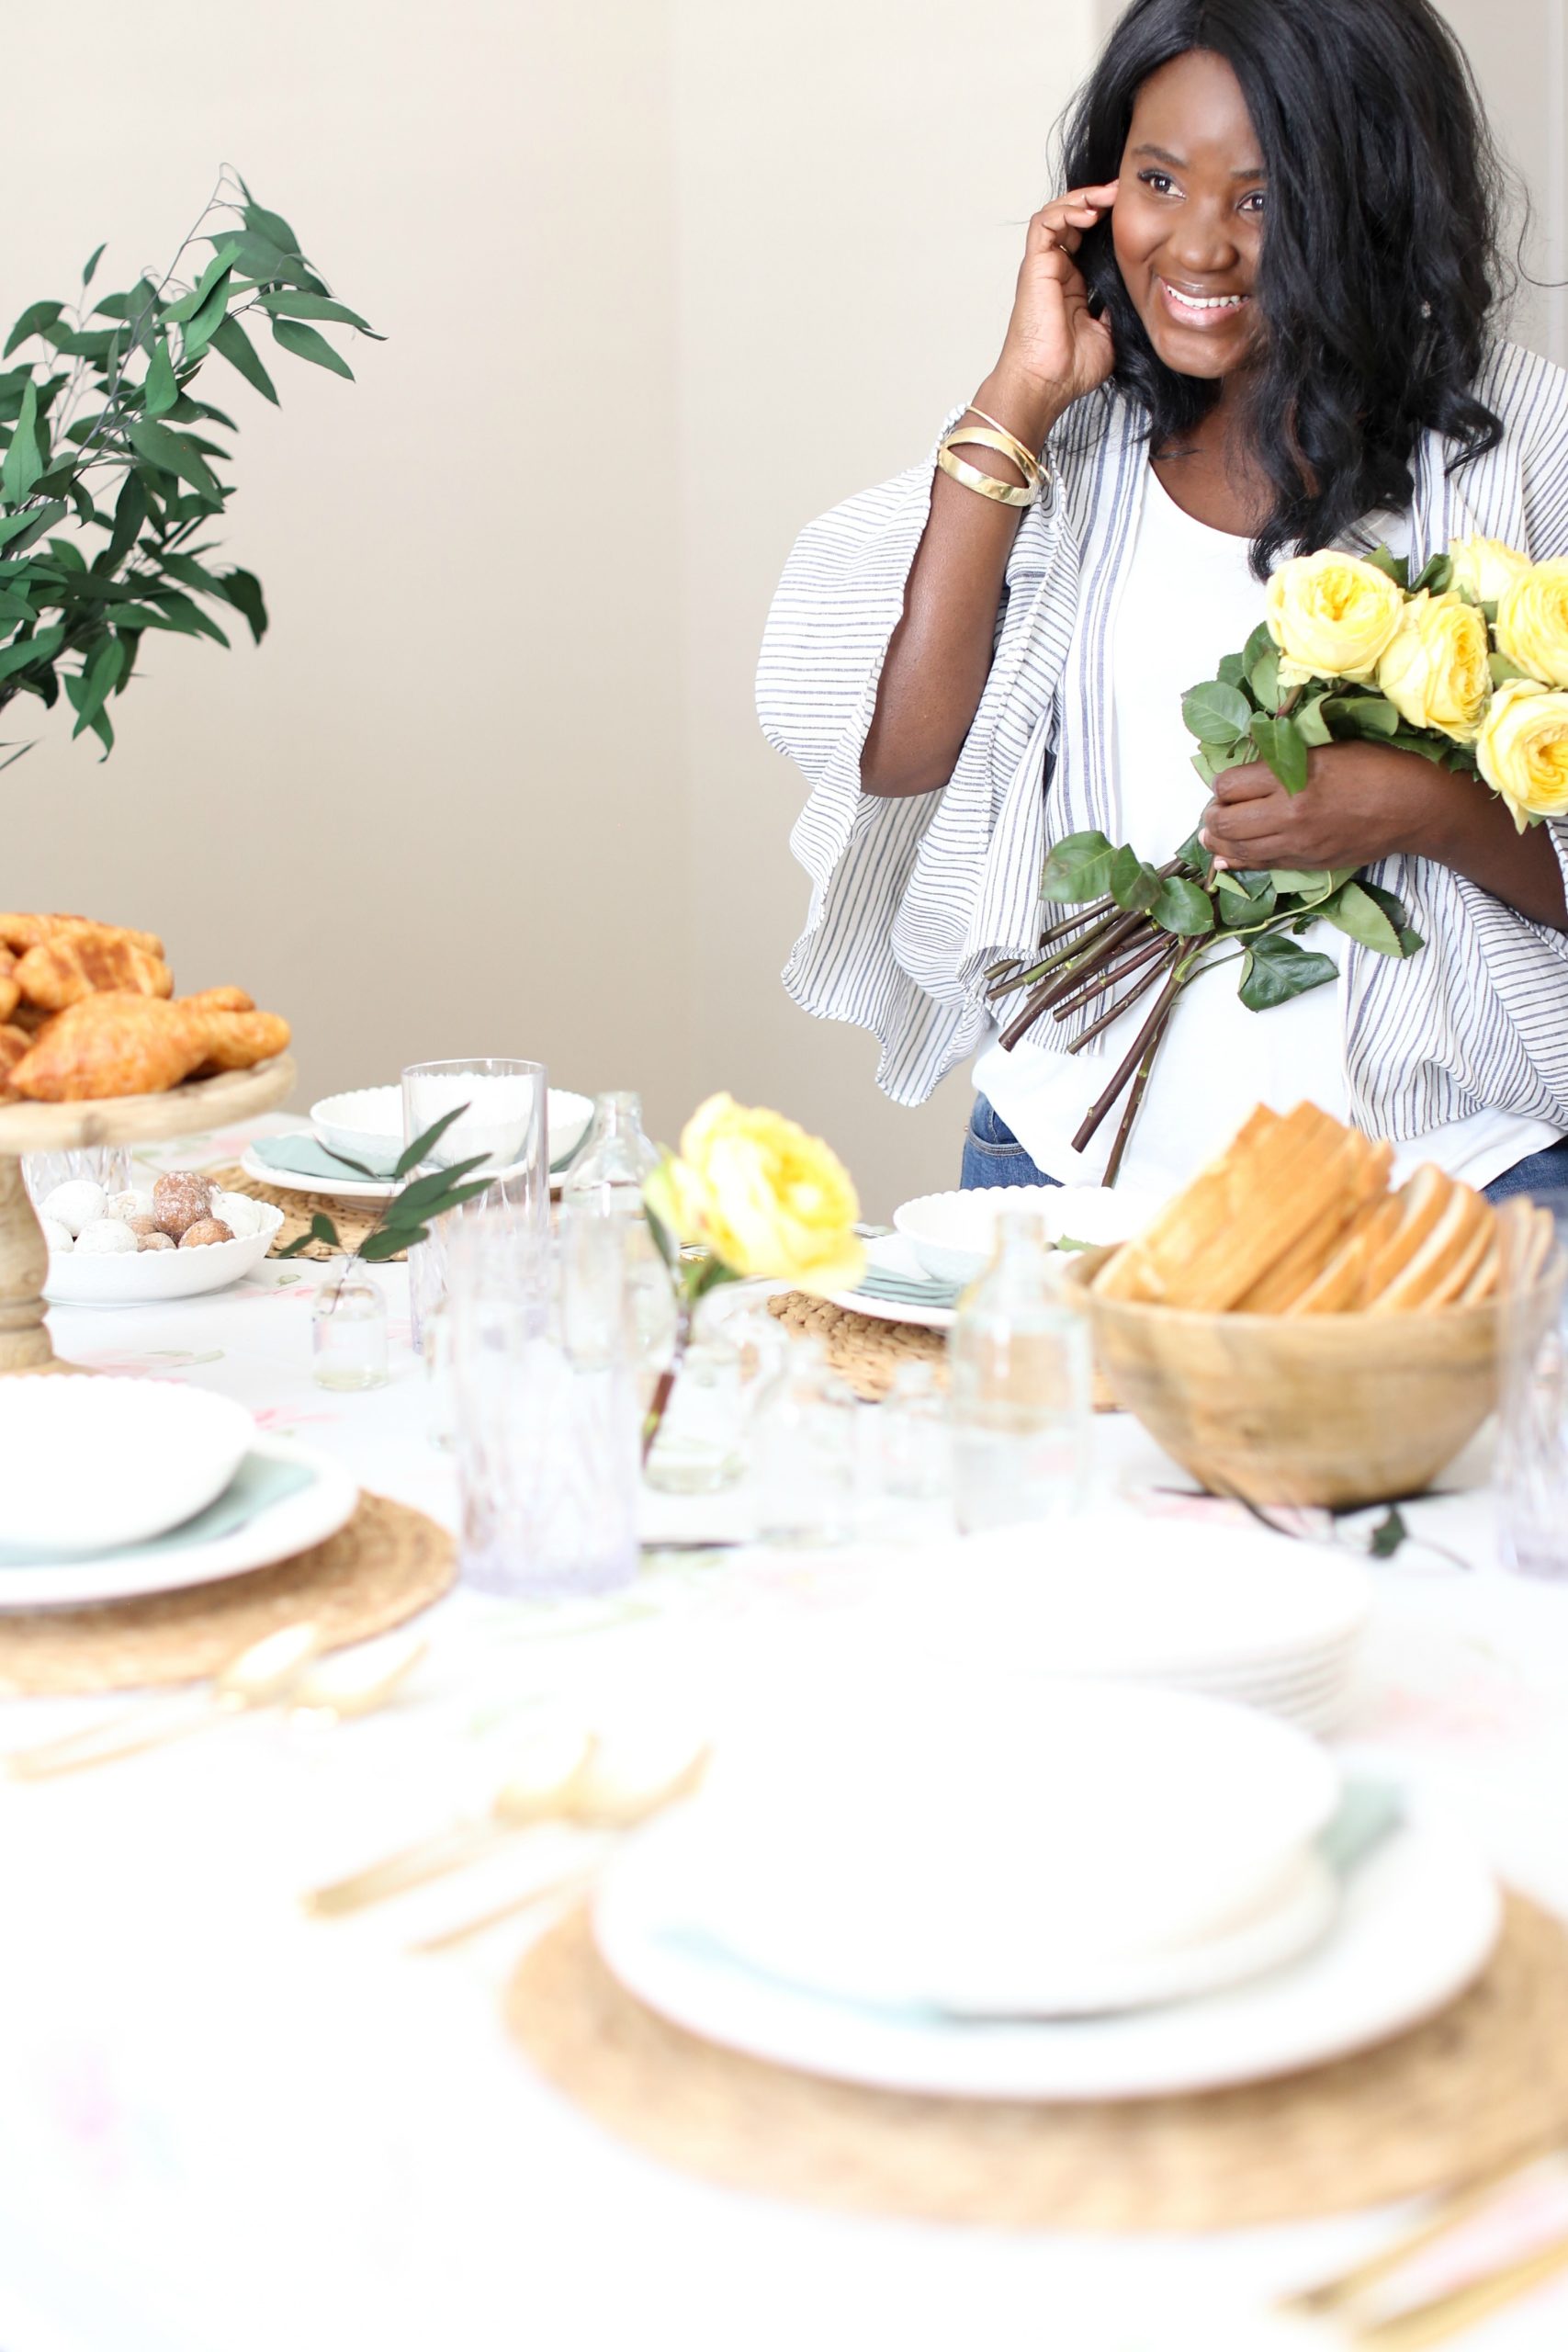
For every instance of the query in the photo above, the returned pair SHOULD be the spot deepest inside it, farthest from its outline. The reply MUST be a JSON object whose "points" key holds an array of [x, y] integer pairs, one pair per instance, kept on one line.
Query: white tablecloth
{"points": [[227, 2128]]}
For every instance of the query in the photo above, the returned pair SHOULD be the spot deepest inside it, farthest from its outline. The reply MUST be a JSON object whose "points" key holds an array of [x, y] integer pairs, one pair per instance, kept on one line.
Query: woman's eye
{"points": [[1256, 202], [1161, 182]]}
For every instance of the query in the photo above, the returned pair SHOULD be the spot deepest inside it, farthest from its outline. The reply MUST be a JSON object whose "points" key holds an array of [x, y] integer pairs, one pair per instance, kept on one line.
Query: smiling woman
{"points": [[1261, 322]]}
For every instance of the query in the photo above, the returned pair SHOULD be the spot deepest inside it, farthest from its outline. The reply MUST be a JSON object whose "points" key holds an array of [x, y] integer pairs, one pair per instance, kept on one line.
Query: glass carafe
{"points": [[1020, 1401], [604, 1181]]}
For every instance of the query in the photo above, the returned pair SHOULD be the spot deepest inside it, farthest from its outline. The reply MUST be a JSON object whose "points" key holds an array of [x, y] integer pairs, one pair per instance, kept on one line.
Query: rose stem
{"points": [[1147, 1036], [1063, 983], [1134, 1099], [1134, 995], [1099, 981], [1062, 955], [660, 1405]]}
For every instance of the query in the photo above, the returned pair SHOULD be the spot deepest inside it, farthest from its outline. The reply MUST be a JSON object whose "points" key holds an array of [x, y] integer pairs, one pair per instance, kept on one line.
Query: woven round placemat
{"points": [[1484, 2083], [352, 1222], [386, 1564], [866, 1351]]}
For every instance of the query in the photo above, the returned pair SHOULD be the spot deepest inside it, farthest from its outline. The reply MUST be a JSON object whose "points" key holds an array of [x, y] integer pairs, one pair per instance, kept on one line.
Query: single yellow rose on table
{"points": [[1332, 616], [1486, 568], [1522, 749], [766, 1199], [1532, 623], [1435, 672]]}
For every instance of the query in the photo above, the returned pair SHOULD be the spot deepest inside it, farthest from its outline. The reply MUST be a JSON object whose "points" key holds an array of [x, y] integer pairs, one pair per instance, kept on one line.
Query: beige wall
{"points": [[662, 278]]}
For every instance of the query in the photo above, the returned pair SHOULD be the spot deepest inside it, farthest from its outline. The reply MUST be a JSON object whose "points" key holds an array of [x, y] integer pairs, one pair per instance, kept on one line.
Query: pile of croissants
{"points": [[87, 1011]]}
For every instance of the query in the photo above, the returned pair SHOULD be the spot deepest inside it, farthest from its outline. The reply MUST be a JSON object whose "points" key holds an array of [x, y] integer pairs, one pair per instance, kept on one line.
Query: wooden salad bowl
{"points": [[1336, 1410]]}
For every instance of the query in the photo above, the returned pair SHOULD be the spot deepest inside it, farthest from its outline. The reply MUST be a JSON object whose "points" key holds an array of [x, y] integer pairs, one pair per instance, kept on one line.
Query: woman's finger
{"points": [[1254, 782]]}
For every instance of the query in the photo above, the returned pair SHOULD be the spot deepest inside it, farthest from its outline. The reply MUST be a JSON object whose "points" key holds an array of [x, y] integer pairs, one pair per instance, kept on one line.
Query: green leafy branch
{"points": [[1146, 932], [405, 1219], [104, 433]]}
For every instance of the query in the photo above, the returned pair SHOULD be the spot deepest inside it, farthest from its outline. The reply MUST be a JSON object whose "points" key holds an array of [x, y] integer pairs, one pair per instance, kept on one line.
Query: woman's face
{"points": [[1187, 223]]}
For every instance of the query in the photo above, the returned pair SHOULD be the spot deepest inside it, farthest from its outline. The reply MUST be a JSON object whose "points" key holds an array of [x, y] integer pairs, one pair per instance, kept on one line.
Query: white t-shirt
{"points": [[1187, 598]]}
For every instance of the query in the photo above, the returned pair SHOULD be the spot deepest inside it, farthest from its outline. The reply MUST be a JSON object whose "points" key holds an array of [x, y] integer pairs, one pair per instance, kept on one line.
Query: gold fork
{"points": [[1450, 2314]]}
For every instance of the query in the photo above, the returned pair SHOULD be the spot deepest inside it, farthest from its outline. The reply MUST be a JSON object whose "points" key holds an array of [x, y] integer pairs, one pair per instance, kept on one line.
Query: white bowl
{"points": [[969, 1848], [145, 1277], [953, 1234], [367, 1125], [91, 1463]]}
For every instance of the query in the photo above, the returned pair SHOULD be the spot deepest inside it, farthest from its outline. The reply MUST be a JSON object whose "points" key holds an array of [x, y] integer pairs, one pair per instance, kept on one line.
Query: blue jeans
{"points": [[993, 1155]]}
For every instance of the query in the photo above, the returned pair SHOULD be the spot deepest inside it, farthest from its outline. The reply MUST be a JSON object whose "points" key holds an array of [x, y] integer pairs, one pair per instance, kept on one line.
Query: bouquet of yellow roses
{"points": [[1466, 664]]}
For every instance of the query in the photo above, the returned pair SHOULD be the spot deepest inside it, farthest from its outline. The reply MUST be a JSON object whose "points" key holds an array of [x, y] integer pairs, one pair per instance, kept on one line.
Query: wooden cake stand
{"points": [[185, 1110]]}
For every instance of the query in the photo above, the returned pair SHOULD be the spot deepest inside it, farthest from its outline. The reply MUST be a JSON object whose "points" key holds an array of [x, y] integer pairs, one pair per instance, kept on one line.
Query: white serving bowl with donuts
{"points": [[182, 1239]]}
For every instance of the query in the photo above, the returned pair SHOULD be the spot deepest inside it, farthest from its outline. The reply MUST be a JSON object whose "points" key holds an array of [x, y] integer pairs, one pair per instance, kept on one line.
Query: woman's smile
{"points": [[1203, 311]]}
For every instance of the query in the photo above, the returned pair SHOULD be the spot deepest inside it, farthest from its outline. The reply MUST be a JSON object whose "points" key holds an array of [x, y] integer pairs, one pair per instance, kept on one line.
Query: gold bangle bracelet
{"points": [[1028, 463], [1004, 493], [1002, 443]]}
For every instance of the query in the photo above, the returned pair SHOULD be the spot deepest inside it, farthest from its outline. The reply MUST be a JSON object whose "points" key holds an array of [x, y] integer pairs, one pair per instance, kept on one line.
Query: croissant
{"points": [[10, 989], [14, 1043], [120, 1043], [21, 932], [62, 970]]}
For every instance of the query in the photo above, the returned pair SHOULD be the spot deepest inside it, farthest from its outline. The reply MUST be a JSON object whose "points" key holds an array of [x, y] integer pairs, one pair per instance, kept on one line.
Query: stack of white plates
{"points": [[1234, 1613], [1119, 1892]]}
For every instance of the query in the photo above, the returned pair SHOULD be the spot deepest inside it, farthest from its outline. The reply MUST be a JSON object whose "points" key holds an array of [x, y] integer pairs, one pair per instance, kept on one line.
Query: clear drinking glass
{"points": [[547, 1443], [108, 1165], [507, 1119], [1021, 1407], [912, 1442], [804, 1442], [348, 1328], [1531, 1474]]}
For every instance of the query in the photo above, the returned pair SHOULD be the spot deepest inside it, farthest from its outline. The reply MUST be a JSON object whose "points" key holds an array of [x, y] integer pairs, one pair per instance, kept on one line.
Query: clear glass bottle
{"points": [[804, 1450], [913, 1439], [700, 1447], [606, 1181], [348, 1328], [1020, 1403]]}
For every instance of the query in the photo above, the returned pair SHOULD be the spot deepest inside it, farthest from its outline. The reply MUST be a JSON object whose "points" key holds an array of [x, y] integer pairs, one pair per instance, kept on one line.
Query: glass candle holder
{"points": [[348, 1329]]}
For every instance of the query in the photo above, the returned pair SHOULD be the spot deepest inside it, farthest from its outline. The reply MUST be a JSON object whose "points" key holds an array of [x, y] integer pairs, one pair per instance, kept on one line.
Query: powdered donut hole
{"points": [[154, 1239], [58, 1236], [103, 1238], [203, 1233], [180, 1201], [75, 1204], [141, 1225]]}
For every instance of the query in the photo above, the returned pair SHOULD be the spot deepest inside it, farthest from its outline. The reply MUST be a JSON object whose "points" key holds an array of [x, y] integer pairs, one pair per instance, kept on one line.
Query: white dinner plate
{"points": [[332, 1188], [953, 1235], [292, 1525], [886, 1250], [1417, 1922]]}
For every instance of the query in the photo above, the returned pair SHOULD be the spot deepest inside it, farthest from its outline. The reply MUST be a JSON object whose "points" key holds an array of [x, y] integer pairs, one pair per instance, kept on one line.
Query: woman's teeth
{"points": [[1200, 306]]}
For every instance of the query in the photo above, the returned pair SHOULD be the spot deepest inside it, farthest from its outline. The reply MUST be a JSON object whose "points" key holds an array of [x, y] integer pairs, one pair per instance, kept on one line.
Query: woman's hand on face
{"points": [[1361, 802], [1055, 350]]}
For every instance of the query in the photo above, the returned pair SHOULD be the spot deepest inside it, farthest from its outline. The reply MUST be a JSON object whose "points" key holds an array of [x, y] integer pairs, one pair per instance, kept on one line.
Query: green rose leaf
{"points": [[1366, 714], [1409, 940], [1264, 678], [1280, 742], [1215, 713], [1502, 668], [1183, 908], [1397, 567], [1260, 642], [1275, 969], [1134, 884], [1232, 670], [1078, 868], [1436, 576], [1311, 724], [1356, 912]]}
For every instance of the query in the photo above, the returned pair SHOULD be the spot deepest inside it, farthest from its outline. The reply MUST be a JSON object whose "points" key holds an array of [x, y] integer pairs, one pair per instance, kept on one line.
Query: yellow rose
{"points": [[763, 1196], [1331, 615], [1435, 672], [1532, 623], [1488, 568], [1522, 749]]}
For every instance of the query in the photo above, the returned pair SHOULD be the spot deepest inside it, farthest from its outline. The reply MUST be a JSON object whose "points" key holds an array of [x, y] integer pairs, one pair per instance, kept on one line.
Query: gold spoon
{"points": [[353, 1682], [613, 1808], [539, 1790], [258, 1676]]}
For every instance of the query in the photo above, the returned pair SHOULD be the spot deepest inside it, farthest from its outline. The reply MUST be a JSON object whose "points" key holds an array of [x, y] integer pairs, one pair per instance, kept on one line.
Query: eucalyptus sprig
{"points": [[1149, 930], [407, 1217], [104, 433]]}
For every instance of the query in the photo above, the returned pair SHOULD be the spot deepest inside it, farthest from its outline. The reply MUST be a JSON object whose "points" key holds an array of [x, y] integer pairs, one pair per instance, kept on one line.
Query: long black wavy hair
{"points": [[1380, 263]]}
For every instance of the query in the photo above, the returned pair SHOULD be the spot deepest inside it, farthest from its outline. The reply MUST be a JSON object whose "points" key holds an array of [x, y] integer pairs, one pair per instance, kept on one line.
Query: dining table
{"points": [[229, 2126]]}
